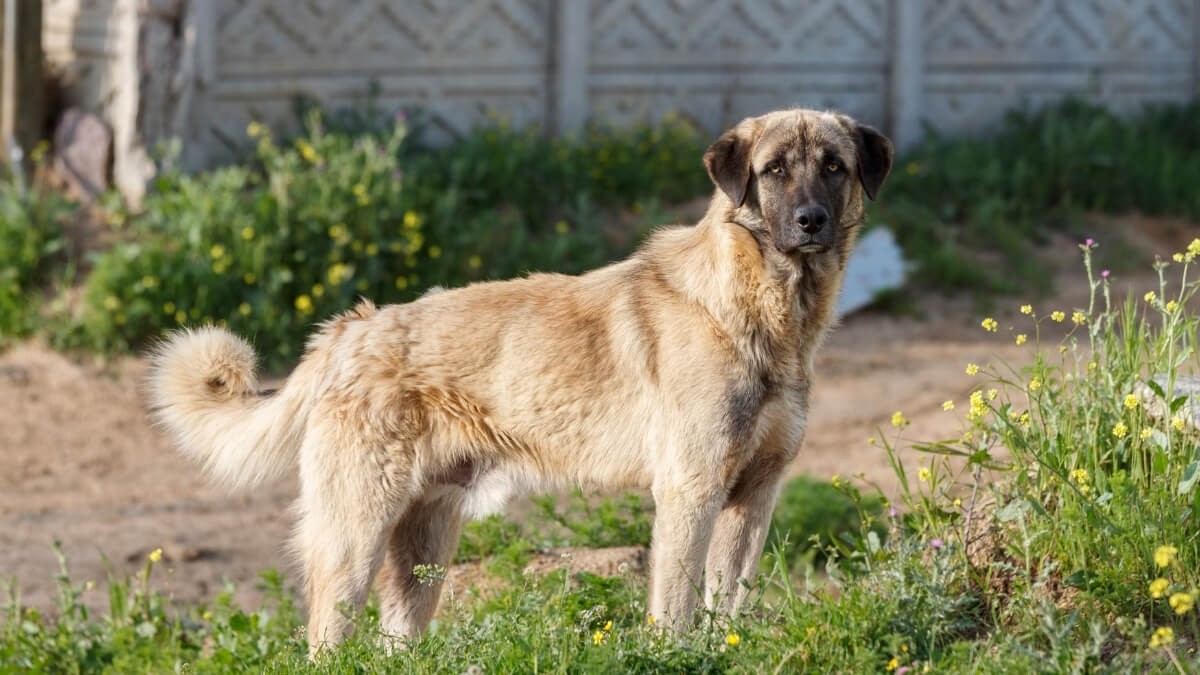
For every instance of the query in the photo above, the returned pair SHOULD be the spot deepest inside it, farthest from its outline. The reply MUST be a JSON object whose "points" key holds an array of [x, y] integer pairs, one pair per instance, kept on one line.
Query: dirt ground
{"points": [[79, 463]]}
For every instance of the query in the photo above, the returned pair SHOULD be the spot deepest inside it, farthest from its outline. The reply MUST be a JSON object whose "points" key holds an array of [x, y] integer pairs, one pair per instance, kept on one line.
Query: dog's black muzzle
{"points": [[809, 232]]}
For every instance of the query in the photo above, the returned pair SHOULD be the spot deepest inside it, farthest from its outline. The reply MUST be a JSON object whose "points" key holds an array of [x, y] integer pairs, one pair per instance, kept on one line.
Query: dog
{"points": [[685, 369]]}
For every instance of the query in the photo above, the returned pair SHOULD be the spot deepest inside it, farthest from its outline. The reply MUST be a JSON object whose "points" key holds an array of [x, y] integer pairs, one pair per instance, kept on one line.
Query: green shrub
{"points": [[820, 516], [955, 202], [31, 237], [327, 217]]}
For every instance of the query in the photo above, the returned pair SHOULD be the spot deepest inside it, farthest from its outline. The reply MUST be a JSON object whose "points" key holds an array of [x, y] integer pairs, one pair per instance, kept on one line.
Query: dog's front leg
{"points": [[739, 534], [685, 513]]}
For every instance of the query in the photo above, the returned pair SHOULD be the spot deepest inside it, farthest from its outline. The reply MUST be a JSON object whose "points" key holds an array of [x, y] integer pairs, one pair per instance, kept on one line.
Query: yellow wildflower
{"points": [[217, 251], [1132, 401], [1058, 316], [978, 408], [155, 555], [180, 317], [306, 150], [304, 304], [972, 369], [247, 233], [338, 273], [168, 308], [1080, 475], [401, 283], [561, 227], [1035, 384], [244, 309], [898, 420], [1177, 422], [1021, 338], [1158, 588], [733, 639], [924, 474], [1027, 309], [1145, 433], [947, 405], [1194, 247], [254, 130], [372, 250], [1078, 318], [650, 620], [1150, 296], [991, 395], [598, 637], [412, 219], [989, 324], [836, 481], [435, 251], [249, 278], [360, 193], [474, 262], [1162, 637], [111, 303], [1181, 602], [1092, 365], [1120, 430], [893, 664], [1177, 257], [149, 281], [1165, 555]]}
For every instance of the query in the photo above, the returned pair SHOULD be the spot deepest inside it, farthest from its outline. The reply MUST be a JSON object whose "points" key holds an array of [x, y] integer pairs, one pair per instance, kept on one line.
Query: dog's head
{"points": [[797, 177]]}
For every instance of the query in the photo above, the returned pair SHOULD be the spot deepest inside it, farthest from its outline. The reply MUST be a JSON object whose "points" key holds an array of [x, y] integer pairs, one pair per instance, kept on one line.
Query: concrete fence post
{"points": [[906, 79], [20, 76], [569, 65]]}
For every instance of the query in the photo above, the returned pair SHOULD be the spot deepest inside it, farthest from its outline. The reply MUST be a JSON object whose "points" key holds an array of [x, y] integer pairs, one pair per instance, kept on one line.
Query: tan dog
{"points": [[685, 369]]}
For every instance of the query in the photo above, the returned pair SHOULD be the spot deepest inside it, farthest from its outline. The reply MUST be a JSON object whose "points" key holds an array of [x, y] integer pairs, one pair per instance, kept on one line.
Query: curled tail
{"points": [[204, 393]]}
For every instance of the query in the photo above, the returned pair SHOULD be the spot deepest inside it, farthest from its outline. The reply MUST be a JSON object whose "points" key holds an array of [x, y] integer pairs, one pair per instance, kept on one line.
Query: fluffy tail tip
{"points": [[195, 366]]}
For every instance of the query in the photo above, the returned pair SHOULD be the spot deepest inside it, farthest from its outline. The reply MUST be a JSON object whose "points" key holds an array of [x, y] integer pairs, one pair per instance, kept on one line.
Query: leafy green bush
{"points": [[328, 217], [952, 200], [819, 516], [31, 237]]}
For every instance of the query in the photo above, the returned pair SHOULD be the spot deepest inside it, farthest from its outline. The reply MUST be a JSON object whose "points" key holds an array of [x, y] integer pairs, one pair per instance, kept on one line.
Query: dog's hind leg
{"points": [[348, 506], [427, 534]]}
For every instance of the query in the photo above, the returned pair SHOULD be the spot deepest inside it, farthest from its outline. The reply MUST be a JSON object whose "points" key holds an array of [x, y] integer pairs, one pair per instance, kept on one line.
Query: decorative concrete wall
{"points": [[956, 65]]}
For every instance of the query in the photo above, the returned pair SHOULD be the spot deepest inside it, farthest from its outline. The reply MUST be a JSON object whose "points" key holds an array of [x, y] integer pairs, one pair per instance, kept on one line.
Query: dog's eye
{"points": [[775, 169], [833, 167]]}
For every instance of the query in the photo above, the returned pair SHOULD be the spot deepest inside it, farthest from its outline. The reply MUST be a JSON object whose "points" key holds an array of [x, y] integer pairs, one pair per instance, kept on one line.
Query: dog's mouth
{"points": [[813, 248]]}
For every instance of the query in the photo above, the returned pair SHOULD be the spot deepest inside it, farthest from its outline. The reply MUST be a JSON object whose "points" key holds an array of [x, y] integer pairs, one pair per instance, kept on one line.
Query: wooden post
{"points": [[569, 90], [906, 85], [20, 76]]}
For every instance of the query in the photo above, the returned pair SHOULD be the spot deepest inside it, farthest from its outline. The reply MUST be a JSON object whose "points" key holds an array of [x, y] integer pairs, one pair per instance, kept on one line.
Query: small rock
{"points": [[1156, 407], [82, 153]]}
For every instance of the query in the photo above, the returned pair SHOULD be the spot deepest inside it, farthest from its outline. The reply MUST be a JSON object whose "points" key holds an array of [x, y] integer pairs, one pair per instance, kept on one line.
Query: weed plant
{"points": [[1071, 492]]}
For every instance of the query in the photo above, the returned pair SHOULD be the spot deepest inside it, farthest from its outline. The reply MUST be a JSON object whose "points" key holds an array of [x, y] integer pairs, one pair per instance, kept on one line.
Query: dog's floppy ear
{"points": [[874, 158], [728, 164]]}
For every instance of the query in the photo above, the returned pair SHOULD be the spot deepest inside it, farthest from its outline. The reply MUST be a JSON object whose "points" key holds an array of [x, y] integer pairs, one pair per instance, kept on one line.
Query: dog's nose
{"points": [[811, 218]]}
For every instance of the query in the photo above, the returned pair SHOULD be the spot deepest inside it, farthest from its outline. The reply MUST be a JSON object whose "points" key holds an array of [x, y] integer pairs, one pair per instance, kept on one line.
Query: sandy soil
{"points": [[79, 463]]}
